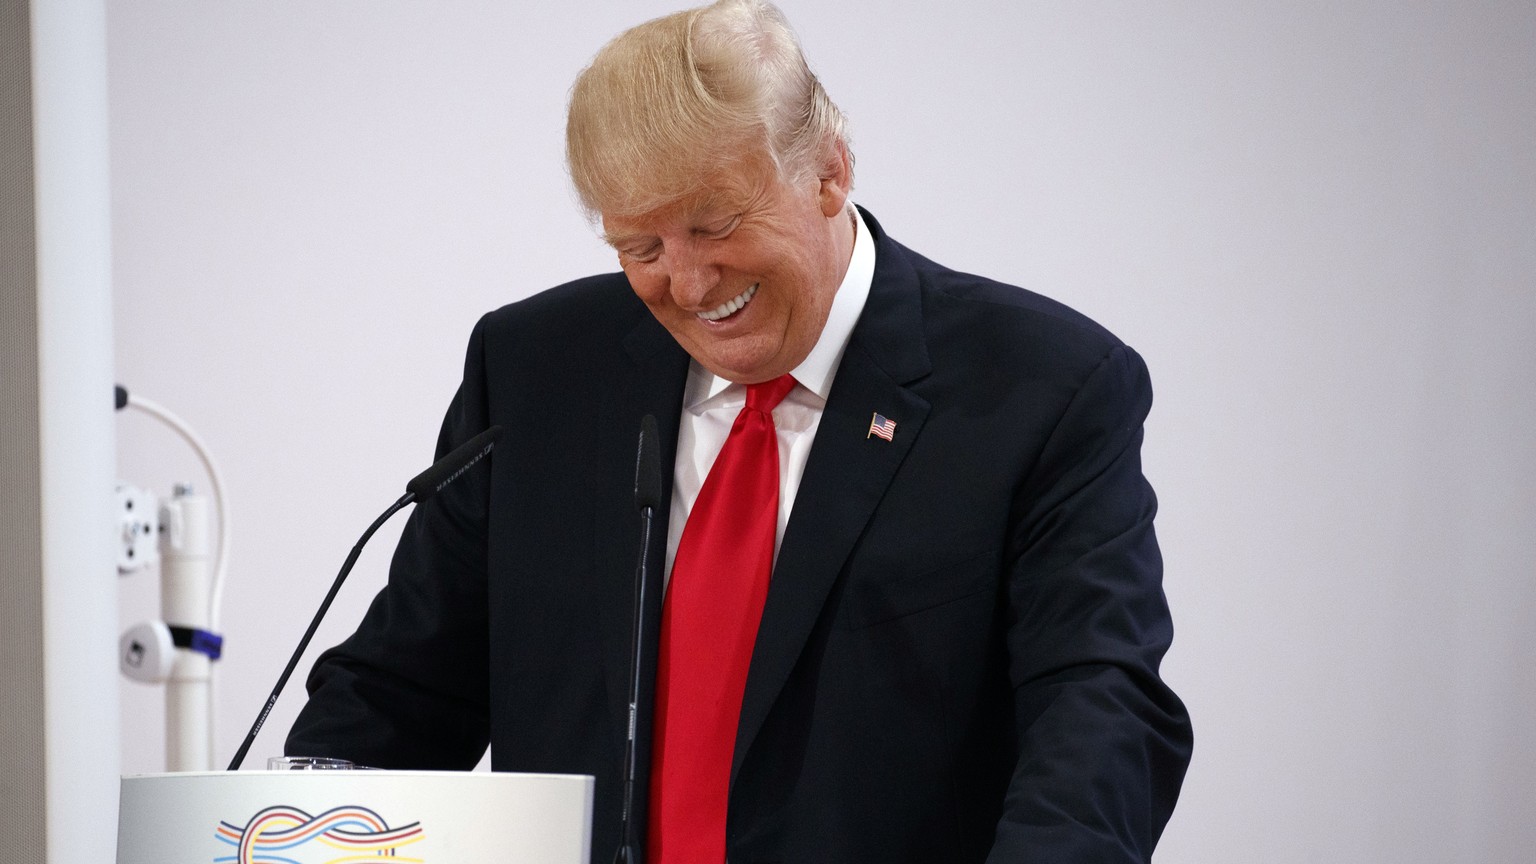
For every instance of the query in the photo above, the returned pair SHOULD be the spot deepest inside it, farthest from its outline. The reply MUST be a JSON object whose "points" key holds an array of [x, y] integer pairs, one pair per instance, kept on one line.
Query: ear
{"points": [[836, 180]]}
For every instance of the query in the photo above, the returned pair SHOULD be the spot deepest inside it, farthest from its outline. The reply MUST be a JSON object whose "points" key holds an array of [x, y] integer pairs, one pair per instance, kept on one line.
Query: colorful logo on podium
{"points": [[292, 836]]}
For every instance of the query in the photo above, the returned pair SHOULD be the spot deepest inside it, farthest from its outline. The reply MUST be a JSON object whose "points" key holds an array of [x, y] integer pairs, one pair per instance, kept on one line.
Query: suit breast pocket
{"points": [[889, 587]]}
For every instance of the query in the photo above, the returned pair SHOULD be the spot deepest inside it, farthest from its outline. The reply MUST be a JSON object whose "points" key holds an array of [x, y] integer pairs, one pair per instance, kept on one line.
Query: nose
{"points": [[691, 275]]}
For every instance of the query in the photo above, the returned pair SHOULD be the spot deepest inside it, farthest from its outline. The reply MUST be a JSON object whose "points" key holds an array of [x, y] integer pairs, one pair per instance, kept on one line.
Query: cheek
{"points": [[649, 284]]}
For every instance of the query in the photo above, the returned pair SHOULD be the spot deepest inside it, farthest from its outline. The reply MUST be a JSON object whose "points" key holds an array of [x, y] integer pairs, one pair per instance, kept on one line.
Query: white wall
{"points": [[1314, 220]]}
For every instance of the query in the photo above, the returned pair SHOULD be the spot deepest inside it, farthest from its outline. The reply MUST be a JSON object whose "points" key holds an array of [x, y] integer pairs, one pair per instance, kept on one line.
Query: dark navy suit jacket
{"points": [[958, 659]]}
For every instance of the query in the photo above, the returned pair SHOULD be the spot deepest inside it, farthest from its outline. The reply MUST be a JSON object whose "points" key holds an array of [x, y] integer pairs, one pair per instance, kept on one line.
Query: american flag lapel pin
{"points": [[881, 425]]}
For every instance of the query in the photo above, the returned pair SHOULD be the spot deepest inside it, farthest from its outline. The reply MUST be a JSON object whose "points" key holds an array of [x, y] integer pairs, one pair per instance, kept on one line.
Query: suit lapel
{"points": [[845, 477]]}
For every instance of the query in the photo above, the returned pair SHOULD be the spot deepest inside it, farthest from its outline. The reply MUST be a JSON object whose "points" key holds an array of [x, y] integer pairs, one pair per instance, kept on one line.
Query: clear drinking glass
{"points": [[309, 763]]}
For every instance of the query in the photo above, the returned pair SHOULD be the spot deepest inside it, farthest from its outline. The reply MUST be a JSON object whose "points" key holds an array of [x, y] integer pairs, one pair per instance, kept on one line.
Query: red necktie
{"points": [[709, 620]]}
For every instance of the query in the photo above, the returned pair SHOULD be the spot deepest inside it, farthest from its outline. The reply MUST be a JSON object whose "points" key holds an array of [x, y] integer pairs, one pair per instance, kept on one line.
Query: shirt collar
{"points": [[816, 371]]}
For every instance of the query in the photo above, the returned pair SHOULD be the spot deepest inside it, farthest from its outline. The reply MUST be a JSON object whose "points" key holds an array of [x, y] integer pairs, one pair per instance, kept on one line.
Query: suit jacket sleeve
{"points": [[408, 688], [1102, 742]]}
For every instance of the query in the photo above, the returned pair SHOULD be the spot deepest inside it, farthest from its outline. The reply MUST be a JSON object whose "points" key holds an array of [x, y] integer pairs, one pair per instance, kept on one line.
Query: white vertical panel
{"points": [[74, 343]]}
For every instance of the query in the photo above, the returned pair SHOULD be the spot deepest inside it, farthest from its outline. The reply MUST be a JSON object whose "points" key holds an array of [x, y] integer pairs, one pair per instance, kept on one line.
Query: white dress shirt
{"points": [[711, 403]]}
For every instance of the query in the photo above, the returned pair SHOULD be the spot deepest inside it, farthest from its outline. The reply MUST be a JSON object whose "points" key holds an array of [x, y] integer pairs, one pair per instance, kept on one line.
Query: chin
{"points": [[733, 366]]}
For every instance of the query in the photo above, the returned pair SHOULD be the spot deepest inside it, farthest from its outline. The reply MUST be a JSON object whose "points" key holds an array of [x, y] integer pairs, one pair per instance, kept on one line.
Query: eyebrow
{"points": [[624, 239]]}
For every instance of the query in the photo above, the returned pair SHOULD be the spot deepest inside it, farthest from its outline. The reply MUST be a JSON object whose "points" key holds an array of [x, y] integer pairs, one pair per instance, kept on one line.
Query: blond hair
{"points": [[672, 101]]}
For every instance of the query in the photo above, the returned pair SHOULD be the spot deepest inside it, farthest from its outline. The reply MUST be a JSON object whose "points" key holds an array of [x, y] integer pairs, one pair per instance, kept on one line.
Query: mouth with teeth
{"points": [[731, 306]]}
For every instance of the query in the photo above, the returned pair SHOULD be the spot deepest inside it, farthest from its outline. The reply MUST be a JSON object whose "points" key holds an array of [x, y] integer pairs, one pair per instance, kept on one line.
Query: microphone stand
{"points": [[314, 624], [647, 498], [421, 488]]}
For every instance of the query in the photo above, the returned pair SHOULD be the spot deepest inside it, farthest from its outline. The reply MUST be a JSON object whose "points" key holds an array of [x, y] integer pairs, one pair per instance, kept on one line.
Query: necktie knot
{"points": [[766, 396]]}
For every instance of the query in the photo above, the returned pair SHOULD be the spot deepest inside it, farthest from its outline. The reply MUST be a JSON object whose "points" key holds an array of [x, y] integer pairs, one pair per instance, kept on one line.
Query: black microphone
{"points": [[451, 467], [647, 499], [423, 486], [648, 466]]}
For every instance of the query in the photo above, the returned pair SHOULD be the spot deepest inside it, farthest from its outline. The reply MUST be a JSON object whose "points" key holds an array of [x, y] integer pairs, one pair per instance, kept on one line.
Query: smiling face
{"points": [[742, 273]]}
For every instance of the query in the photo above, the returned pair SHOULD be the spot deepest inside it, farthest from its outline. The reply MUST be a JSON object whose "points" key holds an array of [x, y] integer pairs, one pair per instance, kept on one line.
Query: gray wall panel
{"points": [[22, 809]]}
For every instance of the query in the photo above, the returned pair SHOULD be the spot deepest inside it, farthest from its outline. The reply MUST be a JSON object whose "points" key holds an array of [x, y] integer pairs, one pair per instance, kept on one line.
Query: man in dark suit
{"points": [[956, 655]]}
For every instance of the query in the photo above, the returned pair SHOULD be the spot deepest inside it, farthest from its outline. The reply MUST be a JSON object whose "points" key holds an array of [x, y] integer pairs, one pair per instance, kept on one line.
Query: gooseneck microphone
{"points": [[647, 499], [422, 487], [648, 467], [449, 468]]}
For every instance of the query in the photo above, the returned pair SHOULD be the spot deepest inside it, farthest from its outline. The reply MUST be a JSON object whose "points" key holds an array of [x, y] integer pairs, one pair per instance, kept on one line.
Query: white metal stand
{"points": [[192, 570], [185, 578]]}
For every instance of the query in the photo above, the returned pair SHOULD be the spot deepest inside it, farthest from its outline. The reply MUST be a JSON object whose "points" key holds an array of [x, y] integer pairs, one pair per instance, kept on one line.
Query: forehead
{"points": [[724, 192]]}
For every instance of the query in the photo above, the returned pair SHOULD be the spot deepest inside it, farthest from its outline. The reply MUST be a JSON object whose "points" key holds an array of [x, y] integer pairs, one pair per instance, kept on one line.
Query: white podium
{"points": [[316, 817]]}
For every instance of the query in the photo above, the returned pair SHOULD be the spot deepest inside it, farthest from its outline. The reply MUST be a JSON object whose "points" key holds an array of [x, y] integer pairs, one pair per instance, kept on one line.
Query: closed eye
{"points": [[641, 254], [722, 229]]}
